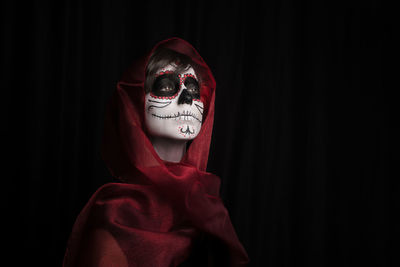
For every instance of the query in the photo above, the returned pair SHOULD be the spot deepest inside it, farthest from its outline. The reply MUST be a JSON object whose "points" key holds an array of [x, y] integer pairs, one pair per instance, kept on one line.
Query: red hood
{"points": [[126, 147], [156, 214]]}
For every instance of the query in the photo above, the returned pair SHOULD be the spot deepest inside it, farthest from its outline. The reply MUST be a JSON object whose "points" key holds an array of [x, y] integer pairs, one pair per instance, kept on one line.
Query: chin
{"points": [[184, 131], [177, 130]]}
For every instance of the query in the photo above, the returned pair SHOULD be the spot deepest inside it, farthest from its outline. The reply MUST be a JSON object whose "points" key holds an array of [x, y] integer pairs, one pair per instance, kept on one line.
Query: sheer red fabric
{"points": [[156, 213]]}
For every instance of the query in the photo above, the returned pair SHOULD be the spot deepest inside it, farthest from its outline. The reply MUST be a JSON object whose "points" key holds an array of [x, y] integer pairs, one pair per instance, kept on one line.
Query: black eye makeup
{"points": [[165, 85], [192, 85]]}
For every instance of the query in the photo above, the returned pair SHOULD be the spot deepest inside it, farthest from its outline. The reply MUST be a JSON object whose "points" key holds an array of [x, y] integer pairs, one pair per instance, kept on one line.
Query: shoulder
{"points": [[99, 249]]}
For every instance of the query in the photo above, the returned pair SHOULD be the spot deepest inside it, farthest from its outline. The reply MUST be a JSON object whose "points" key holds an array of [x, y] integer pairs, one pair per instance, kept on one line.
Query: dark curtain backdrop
{"points": [[301, 135]]}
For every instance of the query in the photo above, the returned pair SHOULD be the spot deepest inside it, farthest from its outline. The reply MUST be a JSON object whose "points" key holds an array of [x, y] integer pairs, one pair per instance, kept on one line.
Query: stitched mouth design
{"points": [[185, 115]]}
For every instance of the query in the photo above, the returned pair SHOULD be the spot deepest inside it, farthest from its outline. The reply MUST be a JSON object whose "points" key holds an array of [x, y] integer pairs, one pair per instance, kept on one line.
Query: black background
{"points": [[301, 134]]}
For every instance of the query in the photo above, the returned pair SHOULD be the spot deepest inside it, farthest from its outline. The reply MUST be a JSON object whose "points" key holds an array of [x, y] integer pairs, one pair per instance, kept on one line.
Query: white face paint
{"points": [[173, 107]]}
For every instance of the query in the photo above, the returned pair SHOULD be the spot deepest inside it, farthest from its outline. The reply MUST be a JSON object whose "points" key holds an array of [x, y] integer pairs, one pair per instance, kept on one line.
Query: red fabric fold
{"points": [[157, 212]]}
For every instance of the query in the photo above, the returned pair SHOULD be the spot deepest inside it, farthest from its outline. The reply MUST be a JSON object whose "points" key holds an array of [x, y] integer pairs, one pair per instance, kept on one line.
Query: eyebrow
{"points": [[163, 72]]}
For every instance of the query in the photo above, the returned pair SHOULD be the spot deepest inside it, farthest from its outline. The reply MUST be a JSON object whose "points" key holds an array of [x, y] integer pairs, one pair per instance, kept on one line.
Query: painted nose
{"points": [[185, 98]]}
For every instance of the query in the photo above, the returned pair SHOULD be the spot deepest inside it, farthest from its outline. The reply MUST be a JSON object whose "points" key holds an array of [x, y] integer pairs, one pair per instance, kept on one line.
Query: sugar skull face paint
{"points": [[173, 106]]}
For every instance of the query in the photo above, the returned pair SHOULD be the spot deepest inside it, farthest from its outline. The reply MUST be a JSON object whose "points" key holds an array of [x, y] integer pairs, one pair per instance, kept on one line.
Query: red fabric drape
{"points": [[157, 211]]}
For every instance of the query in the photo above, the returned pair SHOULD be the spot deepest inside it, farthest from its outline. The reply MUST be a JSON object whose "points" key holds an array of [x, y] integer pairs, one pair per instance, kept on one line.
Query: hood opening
{"points": [[126, 147]]}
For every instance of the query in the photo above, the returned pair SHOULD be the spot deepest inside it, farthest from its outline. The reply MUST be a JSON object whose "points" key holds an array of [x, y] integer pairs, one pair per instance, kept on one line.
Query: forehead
{"points": [[172, 67]]}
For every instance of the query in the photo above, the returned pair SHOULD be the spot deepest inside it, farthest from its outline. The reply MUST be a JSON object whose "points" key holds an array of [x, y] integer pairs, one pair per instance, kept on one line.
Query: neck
{"points": [[169, 149]]}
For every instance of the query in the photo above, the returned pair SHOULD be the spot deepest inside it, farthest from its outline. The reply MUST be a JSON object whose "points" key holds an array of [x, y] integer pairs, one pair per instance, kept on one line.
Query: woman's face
{"points": [[173, 108]]}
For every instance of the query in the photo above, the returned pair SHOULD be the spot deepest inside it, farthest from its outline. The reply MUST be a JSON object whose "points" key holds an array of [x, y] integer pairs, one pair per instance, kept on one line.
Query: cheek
{"points": [[160, 120], [199, 106], [154, 103]]}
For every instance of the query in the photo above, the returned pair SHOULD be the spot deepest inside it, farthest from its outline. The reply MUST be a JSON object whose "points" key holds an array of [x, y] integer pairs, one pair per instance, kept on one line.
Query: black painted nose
{"points": [[185, 98]]}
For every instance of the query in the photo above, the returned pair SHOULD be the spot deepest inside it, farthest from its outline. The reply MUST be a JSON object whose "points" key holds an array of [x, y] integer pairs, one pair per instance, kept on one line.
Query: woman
{"points": [[166, 210]]}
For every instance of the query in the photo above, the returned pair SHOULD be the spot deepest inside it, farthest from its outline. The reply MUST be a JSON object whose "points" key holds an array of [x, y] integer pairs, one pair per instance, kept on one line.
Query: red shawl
{"points": [[160, 210]]}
